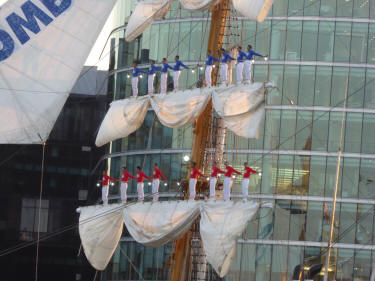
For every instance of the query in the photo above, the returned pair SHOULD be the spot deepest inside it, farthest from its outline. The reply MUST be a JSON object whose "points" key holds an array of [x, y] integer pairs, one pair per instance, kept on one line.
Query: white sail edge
{"points": [[256, 10], [40, 63]]}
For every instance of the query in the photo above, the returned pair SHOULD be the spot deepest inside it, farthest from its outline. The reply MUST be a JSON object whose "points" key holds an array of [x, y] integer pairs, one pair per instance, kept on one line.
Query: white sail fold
{"points": [[256, 10], [100, 229], [144, 15], [154, 224], [198, 5], [241, 108], [180, 108], [40, 63], [122, 119]]}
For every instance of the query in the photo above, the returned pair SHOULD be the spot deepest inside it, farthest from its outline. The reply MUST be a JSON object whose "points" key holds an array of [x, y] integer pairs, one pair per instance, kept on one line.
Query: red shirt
{"points": [[126, 176], [215, 171], [106, 179], [157, 174], [195, 173], [229, 171], [248, 172], [141, 175]]}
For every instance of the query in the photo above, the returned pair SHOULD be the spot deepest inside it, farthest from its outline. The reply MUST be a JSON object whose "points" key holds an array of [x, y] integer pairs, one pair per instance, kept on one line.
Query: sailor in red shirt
{"points": [[105, 186], [124, 184], [245, 181], [193, 179], [213, 179], [228, 180], [140, 185], [156, 182]]}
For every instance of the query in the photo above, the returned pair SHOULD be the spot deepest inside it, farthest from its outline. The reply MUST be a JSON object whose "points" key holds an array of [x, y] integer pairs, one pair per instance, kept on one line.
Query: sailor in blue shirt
{"points": [[225, 59], [240, 64], [164, 76], [177, 72], [135, 74], [209, 64], [151, 76], [249, 62]]}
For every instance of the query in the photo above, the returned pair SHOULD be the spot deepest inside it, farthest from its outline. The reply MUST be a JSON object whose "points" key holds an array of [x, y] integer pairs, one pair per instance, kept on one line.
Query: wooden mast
{"points": [[182, 251]]}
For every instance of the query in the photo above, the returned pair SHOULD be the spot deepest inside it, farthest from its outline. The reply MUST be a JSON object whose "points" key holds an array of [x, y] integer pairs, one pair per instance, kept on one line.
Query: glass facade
{"points": [[313, 46]]}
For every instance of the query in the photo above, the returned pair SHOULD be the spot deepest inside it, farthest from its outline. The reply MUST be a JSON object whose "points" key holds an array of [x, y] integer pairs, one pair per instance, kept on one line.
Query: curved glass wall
{"points": [[313, 46]]}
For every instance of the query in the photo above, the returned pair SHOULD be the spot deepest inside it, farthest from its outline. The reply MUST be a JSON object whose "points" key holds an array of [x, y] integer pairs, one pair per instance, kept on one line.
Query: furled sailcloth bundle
{"points": [[100, 229], [221, 226], [122, 119], [154, 224], [198, 5], [256, 10], [180, 108], [144, 15], [44, 45], [241, 108]]}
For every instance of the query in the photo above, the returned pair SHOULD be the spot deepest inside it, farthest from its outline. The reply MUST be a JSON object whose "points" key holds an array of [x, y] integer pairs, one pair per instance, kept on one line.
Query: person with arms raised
{"points": [[213, 179], [209, 64], [135, 74], [157, 174], [105, 186], [246, 180], [124, 184], [225, 58], [140, 185], [164, 76], [240, 64], [151, 76], [228, 180], [177, 72], [193, 179], [249, 62]]}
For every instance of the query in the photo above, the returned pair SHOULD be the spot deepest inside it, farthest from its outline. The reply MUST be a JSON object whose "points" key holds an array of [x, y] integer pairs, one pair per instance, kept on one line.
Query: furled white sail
{"points": [[180, 108], [198, 5], [100, 229], [256, 10], [144, 15], [43, 47], [154, 224], [122, 119], [241, 108]]}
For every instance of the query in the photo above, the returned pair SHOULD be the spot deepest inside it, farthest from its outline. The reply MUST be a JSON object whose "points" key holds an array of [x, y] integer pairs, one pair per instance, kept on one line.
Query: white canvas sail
{"points": [[144, 15], [256, 10], [198, 5], [44, 45]]}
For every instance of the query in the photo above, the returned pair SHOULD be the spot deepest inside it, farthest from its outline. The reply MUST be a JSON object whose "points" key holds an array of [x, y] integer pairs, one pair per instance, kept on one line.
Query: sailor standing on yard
{"points": [[209, 64], [213, 179], [228, 180], [105, 186], [225, 57], [249, 62], [156, 182], [151, 76], [193, 179], [140, 184], [164, 76], [240, 64], [246, 179], [177, 72], [135, 74], [124, 184]]}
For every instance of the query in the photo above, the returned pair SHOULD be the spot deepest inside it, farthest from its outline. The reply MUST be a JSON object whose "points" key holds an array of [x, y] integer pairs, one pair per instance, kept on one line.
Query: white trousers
{"points": [[207, 75], [239, 71], [123, 189], [176, 76], [248, 66], [227, 186], [141, 193], [105, 194], [155, 189], [212, 187], [150, 82], [245, 188], [192, 184], [163, 82], [224, 73], [135, 86]]}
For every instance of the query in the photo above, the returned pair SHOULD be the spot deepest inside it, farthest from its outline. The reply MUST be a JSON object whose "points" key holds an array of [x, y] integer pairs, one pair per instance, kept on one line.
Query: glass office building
{"points": [[316, 48]]}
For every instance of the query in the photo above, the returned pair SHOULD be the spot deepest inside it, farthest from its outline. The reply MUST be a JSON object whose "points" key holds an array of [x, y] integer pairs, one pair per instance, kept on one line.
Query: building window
{"points": [[30, 218]]}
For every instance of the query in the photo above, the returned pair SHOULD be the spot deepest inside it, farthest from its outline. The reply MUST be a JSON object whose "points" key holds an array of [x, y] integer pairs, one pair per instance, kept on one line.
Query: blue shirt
{"points": [[152, 69], [225, 57], [241, 56], [251, 53], [178, 64], [136, 71], [165, 67], [210, 60]]}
